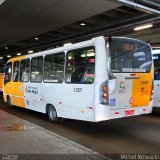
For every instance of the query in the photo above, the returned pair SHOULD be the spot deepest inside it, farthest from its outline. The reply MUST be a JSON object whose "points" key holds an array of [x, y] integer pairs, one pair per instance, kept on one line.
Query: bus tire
{"points": [[9, 102], [52, 114]]}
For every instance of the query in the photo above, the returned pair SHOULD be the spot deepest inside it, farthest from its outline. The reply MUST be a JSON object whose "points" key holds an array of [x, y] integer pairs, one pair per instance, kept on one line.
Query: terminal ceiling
{"points": [[55, 22]]}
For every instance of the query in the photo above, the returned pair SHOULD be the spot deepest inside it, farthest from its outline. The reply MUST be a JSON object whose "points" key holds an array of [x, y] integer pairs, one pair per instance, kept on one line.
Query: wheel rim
{"points": [[52, 114]]}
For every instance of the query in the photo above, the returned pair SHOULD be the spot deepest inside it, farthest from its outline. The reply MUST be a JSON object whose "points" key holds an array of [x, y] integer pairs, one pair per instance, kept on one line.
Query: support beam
{"points": [[139, 6], [153, 3]]}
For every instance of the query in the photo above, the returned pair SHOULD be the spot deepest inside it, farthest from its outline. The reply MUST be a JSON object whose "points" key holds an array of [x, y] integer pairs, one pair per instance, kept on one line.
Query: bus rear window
{"points": [[129, 55]]}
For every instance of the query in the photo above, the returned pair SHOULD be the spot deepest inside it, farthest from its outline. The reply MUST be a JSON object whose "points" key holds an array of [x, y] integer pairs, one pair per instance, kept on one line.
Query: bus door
{"points": [[131, 63], [80, 70], [34, 91], [156, 59], [17, 89]]}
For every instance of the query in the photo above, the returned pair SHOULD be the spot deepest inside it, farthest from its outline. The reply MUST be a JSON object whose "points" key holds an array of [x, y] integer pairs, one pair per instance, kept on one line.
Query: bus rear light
{"points": [[116, 112], [144, 110], [152, 90], [104, 96], [129, 112]]}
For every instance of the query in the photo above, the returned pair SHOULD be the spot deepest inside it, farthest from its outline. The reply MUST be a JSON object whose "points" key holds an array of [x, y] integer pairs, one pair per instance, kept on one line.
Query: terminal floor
{"points": [[20, 139], [131, 135]]}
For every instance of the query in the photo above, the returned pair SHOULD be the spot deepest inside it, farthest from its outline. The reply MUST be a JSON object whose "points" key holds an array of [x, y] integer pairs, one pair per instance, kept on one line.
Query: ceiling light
{"points": [[67, 44], [143, 27], [156, 50], [9, 56], [82, 24], [30, 51], [18, 54], [1, 58], [36, 38], [6, 47], [69, 57], [83, 55]]}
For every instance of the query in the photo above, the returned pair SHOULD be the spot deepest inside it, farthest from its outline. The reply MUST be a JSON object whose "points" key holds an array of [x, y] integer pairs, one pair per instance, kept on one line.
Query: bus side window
{"points": [[24, 70], [36, 74], [80, 65], [54, 68], [15, 71], [8, 73]]}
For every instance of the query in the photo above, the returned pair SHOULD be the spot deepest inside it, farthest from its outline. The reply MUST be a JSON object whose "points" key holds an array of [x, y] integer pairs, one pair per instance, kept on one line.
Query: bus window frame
{"points": [[80, 48], [63, 66], [13, 70], [31, 69]]}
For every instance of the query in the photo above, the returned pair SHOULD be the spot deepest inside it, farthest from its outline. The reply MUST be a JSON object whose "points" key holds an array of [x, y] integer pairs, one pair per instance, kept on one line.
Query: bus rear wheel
{"points": [[52, 114], [9, 101]]}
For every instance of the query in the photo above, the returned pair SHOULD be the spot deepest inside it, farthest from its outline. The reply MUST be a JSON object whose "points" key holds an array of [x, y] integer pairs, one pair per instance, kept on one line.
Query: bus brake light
{"points": [[144, 110], [129, 112], [152, 90], [104, 96]]}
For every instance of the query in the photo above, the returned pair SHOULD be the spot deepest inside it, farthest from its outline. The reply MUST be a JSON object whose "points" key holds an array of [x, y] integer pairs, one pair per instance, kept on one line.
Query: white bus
{"points": [[156, 59], [95, 80]]}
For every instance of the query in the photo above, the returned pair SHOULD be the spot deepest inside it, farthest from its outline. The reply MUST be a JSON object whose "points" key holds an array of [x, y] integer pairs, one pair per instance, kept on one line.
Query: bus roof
{"points": [[55, 50], [65, 48]]}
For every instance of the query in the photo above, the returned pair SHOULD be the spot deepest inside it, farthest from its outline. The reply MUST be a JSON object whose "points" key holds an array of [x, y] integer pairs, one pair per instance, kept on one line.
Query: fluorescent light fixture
{"points": [[67, 44], [36, 38], [88, 55], [9, 56], [18, 54], [1, 57], [83, 55], [30, 51], [82, 24], [145, 26], [69, 57]]}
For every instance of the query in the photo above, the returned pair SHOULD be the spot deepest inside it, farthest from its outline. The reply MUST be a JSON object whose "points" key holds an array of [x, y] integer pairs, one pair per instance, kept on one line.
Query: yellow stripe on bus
{"points": [[141, 89], [16, 58]]}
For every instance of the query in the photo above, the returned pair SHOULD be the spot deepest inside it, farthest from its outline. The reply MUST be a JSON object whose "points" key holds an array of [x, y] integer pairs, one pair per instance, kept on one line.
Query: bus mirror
{"points": [[112, 85]]}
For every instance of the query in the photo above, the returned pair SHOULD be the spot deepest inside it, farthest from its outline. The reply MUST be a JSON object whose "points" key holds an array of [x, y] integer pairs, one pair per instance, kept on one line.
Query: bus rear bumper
{"points": [[103, 113]]}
